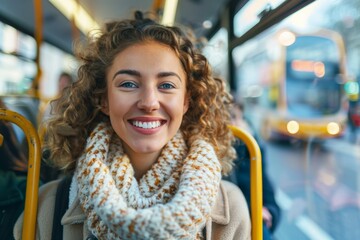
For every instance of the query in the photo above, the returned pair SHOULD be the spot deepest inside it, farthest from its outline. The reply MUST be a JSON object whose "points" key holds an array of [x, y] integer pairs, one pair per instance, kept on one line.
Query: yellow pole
{"points": [[256, 194], [158, 7], [38, 13], [32, 183]]}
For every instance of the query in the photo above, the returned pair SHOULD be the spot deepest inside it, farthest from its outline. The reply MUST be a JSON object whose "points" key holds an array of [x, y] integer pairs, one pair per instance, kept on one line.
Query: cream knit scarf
{"points": [[172, 200]]}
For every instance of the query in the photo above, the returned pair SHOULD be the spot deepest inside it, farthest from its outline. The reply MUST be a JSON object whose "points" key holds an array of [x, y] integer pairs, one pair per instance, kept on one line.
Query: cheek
{"points": [[177, 108], [118, 123], [117, 108], [117, 99]]}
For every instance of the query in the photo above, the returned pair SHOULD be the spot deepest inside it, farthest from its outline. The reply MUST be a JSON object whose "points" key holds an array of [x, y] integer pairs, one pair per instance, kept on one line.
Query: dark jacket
{"points": [[12, 199], [13, 170], [240, 176]]}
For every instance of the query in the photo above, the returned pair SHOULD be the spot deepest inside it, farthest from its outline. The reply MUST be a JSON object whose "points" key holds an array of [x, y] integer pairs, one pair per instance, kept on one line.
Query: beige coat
{"points": [[229, 218]]}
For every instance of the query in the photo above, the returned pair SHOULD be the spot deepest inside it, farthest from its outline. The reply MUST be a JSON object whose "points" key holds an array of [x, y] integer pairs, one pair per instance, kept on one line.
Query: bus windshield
{"points": [[312, 77]]}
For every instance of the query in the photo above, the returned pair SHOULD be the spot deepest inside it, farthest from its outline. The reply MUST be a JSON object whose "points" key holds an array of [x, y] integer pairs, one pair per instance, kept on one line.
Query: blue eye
{"points": [[128, 85], [166, 86]]}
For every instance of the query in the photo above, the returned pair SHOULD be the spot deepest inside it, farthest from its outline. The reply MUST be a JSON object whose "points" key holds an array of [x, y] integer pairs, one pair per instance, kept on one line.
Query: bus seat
{"points": [[256, 194], [33, 175]]}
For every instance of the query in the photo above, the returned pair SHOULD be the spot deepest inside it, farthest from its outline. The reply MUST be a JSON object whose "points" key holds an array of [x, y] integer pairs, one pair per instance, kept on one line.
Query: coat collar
{"points": [[74, 214], [220, 213]]}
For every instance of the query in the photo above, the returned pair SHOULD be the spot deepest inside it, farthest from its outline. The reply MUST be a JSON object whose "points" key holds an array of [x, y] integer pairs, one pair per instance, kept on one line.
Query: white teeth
{"points": [[146, 125]]}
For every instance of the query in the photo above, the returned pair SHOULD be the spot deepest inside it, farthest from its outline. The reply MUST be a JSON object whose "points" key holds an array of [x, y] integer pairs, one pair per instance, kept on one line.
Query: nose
{"points": [[149, 100]]}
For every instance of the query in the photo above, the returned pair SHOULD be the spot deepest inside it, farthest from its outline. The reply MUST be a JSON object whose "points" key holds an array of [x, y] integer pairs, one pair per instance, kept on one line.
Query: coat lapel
{"points": [[220, 213], [74, 214]]}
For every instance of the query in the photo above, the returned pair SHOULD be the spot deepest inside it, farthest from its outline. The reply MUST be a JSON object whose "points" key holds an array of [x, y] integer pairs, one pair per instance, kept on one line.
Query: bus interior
{"points": [[294, 66]]}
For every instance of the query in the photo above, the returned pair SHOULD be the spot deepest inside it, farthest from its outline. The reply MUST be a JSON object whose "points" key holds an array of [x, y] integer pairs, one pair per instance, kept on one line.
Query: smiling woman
{"points": [[146, 100], [150, 146]]}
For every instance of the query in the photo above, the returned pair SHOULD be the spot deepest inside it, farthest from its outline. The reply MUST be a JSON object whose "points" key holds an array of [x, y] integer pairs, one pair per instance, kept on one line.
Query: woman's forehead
{"points": [[153, 54]]}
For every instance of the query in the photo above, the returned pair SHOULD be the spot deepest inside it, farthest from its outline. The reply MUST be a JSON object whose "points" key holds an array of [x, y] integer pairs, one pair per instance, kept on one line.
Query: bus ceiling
{"points": [[204, 17], [58, 30]]}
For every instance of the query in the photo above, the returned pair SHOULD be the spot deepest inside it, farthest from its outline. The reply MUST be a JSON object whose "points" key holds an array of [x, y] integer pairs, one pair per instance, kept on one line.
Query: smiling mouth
{"points": [[147, 125]]}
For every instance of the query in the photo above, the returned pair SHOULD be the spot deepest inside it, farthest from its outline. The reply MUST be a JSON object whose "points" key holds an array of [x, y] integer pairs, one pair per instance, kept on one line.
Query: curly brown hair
{"points": [[79, 106]]}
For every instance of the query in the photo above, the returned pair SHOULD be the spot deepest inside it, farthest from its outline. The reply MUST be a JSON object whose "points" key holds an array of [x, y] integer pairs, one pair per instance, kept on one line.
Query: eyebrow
{"points": [[137, 73], [127, 72], [169, 74]]}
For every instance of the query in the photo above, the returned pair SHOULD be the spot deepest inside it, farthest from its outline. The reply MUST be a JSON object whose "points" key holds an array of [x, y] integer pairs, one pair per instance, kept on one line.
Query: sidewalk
{"points": [[343, 146]]}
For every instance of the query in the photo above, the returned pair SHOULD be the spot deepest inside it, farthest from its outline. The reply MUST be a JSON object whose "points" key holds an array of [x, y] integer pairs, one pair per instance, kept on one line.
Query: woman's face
{"points": [[146, 97]]}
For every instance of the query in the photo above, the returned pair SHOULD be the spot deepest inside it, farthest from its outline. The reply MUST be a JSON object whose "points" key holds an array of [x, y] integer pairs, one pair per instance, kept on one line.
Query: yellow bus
{"points": [[294, 83]]}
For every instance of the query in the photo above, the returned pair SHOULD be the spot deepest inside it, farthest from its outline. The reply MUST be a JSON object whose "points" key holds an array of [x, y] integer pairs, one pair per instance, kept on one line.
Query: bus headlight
{"points": [[292, 127], [333, 128]]}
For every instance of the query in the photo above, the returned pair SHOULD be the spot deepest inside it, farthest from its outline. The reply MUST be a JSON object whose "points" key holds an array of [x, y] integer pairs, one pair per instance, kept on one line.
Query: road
{"points": [[317, 187]]}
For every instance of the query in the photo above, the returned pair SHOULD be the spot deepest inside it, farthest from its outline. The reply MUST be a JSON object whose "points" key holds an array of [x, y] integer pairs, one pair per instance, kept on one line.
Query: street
{"points": [[317, 187]]}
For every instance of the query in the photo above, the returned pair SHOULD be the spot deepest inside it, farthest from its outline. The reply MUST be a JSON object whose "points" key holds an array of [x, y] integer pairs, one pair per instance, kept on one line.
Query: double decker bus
{"points": [[294, 83]]}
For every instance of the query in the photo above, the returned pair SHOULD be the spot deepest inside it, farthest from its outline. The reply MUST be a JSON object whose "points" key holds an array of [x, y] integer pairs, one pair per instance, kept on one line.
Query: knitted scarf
{"points": [[172, 200]]}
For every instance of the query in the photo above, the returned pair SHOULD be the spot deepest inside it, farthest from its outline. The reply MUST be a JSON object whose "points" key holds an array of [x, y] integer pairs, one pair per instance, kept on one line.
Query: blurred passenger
{"points": [[148, 144], [65, 80], [49, 172], [238, 118], [354, 119], [241, 174], [13, 170]]}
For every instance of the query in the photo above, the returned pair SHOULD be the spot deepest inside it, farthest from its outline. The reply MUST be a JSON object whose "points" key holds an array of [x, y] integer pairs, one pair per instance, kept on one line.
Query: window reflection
{"points": [[251, 14], [299, 81]]}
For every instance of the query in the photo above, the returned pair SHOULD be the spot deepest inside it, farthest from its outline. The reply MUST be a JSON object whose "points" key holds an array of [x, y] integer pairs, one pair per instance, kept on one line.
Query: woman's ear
{"points": [[105, 106]]}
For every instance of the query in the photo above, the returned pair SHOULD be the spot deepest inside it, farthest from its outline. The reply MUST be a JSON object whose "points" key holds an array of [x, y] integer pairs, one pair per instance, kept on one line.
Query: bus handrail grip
{"points": [[33, 175], [256, 195]]}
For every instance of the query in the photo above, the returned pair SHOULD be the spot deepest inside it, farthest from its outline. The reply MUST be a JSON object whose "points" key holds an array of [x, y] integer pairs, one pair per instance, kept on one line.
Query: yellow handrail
{"points": [[256, 194], [32, 183], [38, 34]]}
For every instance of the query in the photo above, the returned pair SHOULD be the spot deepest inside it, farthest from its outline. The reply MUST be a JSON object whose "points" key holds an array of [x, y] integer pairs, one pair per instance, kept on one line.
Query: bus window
{"points": [[251, 14], [17, 68], [309, 65], [18, 71], [298, 72], [216, 51]]}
